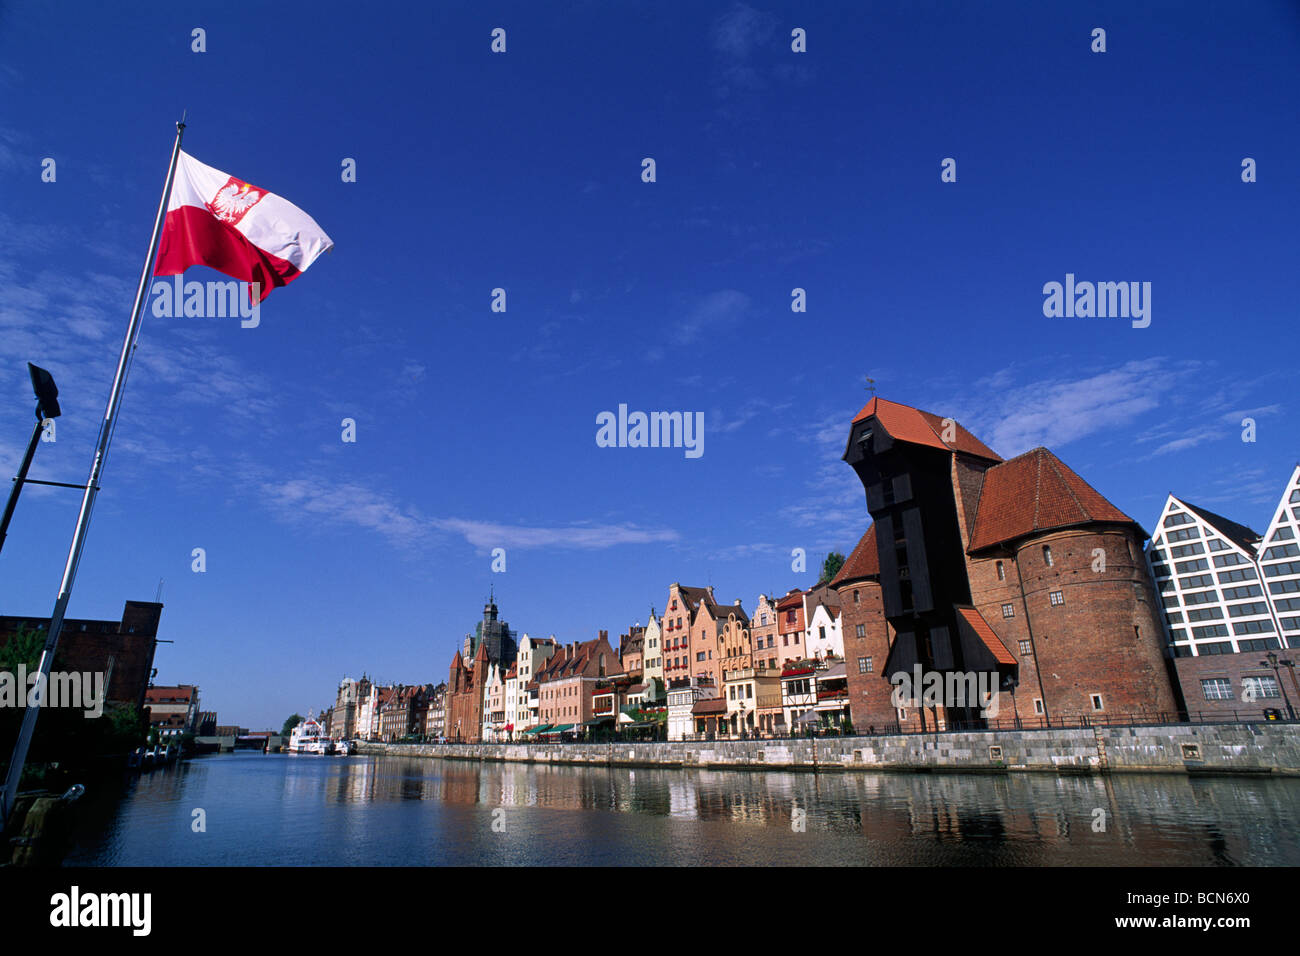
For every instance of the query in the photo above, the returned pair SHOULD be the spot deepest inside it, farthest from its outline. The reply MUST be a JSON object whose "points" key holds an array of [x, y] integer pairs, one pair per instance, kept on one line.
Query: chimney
{"points": [[710, 590], [736, 602]]}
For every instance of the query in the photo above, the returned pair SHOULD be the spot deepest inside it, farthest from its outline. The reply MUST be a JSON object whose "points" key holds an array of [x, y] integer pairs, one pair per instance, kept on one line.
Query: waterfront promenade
{"points": [[1258, 748]]}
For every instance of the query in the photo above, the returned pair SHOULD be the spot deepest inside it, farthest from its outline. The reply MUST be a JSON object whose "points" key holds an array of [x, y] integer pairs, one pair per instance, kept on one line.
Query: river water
{"points": [[269, 809]]}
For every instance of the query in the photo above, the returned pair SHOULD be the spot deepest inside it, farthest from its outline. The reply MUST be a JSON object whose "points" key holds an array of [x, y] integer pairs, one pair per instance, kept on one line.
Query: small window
{"points": [[862, 630], [1047, 556], [864, 665], [856, 599], [1026, 648], [1038, 705], [1008, 610], [1002, 572], [1096, 702], [1057, 598]]}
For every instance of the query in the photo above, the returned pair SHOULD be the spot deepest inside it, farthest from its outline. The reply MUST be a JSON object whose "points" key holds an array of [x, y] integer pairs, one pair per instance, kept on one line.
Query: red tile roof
{"points": [[862, 562], [793, 599], [1032, 493], [985, 633], [183, 692], [709, 706], [908, 424]]}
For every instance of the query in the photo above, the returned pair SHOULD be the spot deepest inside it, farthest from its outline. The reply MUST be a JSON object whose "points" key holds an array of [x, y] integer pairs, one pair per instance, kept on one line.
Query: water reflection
{"points": [[268, 809]]}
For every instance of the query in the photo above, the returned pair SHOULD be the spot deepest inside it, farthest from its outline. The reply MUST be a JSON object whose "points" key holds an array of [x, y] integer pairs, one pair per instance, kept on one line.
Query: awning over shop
{"points": [[559, 729], [540, 728]]}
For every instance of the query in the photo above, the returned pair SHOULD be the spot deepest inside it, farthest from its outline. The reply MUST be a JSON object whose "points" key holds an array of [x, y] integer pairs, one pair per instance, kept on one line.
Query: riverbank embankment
{"points": [[1264, 748]]}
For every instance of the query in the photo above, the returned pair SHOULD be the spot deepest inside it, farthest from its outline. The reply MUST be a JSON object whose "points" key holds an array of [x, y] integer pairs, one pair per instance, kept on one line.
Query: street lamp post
{"points": [[47, 409]]}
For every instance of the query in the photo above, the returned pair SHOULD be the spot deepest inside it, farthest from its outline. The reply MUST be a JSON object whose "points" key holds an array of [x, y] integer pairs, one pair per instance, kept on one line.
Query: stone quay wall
{"points": [[1171, 748]]}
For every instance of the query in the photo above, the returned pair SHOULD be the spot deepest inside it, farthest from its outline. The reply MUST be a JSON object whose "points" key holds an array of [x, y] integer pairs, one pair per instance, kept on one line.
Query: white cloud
{"points": [[717, 310], [486, 535]]}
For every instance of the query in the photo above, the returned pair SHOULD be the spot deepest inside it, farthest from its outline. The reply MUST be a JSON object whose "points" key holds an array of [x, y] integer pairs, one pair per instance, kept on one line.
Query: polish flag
{"points": [[216, 220]]}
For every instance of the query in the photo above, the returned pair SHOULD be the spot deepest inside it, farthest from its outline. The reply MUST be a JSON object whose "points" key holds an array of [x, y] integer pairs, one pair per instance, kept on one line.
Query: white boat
{"points": [[342, 747], [308, 738]]}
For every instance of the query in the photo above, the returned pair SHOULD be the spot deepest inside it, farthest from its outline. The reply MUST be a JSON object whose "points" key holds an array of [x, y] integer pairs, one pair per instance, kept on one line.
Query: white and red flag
{"points": [[219, 221]]}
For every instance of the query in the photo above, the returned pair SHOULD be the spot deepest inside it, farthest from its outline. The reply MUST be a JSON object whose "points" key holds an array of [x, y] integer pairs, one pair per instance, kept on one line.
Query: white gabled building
{"points": [[652, 657], [1226, 588], [1231, 596], [532, 657], [825, 638], [494, 708], [511, 702]]}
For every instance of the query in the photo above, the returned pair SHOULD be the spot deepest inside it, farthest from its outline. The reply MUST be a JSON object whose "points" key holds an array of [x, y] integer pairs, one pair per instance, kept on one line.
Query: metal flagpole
{"points": [[106, 427]]}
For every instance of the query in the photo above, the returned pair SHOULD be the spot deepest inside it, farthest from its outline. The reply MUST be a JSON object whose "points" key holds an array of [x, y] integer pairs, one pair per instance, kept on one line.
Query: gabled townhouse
{"points": [[823, 636], [681, 630], [735, 645], [652, 660], [367, 710], [753, 696], [384, 695], [402, 713], [511, 700], [631, 651], [435, 714], [494, 705], [567, 681], [763, 634], [381, 699], [791, 625], [533, 654]]}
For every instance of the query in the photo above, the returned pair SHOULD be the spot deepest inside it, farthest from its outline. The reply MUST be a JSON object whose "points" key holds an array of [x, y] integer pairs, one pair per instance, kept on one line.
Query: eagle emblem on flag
{"points": [[234, 199]]}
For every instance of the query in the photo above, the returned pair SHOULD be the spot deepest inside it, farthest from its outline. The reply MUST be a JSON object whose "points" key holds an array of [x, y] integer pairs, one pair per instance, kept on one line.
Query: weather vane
{"points": [[871, 387]]}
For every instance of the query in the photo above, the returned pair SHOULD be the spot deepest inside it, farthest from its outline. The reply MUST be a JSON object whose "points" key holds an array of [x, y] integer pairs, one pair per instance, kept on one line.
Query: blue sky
{"points": [[522, 170]]}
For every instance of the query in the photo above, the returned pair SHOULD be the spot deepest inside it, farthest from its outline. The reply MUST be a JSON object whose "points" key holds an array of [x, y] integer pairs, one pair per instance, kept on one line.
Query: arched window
{"points": [[1047, 556]]}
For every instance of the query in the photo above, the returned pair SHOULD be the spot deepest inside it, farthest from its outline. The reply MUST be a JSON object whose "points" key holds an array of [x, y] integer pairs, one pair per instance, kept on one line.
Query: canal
{"points": [[250, 809]]}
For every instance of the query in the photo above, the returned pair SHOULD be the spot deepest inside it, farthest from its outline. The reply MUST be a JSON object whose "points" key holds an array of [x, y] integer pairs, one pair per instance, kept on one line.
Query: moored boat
{"points": [[308, 738]]}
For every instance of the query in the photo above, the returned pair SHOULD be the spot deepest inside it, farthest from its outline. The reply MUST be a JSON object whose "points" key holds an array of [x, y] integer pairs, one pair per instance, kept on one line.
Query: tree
{"points": [[24, 647], [831, 567], [289, 724]]}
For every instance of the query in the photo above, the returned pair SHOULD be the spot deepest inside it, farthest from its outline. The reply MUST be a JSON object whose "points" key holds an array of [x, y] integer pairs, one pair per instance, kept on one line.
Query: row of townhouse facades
{"points": [[365, 710], [983, 591]]}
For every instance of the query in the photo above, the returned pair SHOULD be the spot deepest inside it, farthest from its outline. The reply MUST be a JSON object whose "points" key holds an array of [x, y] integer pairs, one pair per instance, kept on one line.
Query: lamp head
{"points": [[47, 393]]}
